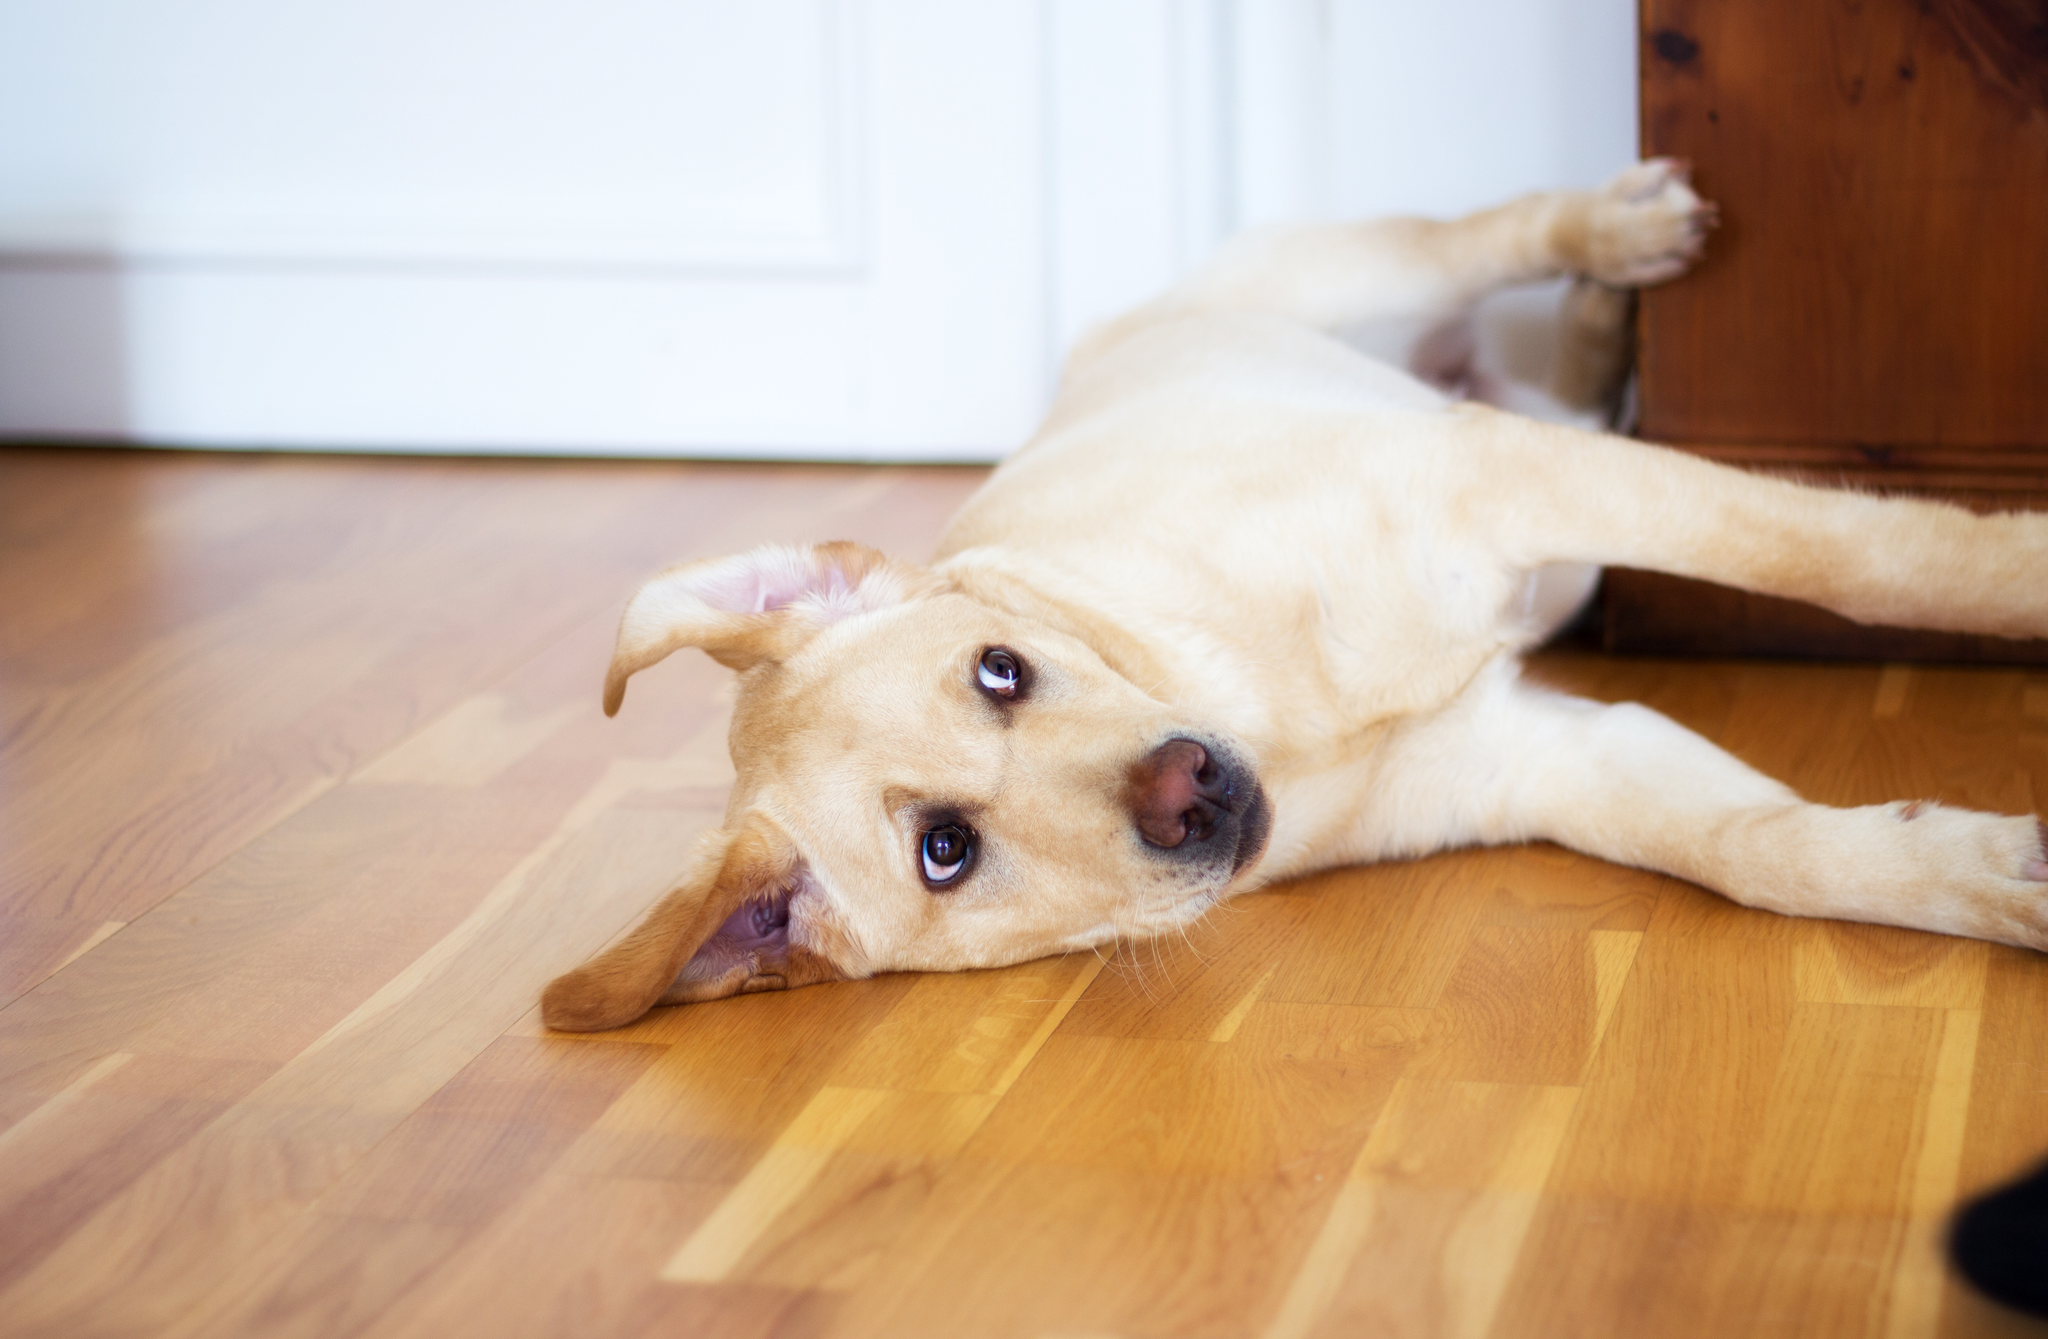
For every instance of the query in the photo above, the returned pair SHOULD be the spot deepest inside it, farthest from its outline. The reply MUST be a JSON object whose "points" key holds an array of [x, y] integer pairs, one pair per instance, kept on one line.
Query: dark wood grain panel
{"points": [[1654, 613], [1879, 276], [1874, 310]]}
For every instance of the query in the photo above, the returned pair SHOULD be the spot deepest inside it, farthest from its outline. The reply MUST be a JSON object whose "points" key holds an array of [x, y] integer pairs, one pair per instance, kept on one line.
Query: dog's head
{"points": [[924, 782]]}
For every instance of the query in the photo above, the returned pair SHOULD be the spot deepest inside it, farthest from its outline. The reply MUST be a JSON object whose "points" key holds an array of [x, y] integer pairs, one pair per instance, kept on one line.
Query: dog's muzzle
{"points": [[1195, 802]]}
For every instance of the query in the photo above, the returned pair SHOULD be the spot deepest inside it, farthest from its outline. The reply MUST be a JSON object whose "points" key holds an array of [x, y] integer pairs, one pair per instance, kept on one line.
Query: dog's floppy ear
{"points": [[760, 605], [724, 930]]}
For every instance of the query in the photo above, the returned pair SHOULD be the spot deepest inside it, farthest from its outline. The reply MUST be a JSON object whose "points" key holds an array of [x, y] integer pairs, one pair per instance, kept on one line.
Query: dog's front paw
{"points": [[1645, 225], [2024, 891], [1914, 863], [1994, 882]]}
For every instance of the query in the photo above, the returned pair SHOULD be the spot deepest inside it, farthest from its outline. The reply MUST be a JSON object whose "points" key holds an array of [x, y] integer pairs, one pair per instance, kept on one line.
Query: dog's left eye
{"points": [[999, 672], [944, 852]]}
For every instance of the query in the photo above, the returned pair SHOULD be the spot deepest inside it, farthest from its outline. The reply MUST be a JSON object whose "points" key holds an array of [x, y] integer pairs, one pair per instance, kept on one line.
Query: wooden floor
{"points": [[307, 792]]}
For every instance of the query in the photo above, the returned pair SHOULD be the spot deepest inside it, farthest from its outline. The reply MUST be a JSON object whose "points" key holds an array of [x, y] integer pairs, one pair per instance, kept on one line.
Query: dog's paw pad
{"points": [[1647, 225]]}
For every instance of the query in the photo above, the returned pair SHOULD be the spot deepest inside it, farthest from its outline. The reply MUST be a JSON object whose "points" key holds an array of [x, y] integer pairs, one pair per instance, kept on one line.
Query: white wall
{"points": [[794, 227], [1448, 107]]}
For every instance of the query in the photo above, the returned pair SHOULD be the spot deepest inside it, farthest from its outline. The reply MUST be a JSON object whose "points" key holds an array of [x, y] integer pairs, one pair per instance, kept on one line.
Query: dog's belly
{"points": [[1552, 595]]}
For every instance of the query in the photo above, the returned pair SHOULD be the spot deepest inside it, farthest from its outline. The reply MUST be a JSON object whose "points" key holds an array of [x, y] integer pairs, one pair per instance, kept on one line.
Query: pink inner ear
{"points": [[754, 938], [771, 579]]}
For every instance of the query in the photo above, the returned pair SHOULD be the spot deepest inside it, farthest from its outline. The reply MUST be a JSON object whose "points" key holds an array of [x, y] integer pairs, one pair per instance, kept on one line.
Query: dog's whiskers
{"points": [[1188, 939]]}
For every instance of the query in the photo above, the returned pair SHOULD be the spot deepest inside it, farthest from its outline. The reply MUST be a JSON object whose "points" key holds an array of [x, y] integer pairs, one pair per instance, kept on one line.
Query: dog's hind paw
{"points": [[1646, 225]]}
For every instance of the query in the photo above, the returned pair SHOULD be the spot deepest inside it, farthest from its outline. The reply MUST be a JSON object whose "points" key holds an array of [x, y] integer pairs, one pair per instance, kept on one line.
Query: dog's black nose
{"points": [[1178, 794]]}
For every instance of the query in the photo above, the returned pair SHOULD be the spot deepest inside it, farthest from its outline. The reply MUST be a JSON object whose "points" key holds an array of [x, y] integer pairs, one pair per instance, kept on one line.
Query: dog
{"points": [[1250, 604]]}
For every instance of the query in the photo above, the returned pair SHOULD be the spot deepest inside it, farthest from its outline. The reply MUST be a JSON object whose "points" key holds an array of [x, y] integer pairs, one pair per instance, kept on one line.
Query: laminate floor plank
{"points": [[305, 658], [307, 794], [269, 956], [437, 1181]]}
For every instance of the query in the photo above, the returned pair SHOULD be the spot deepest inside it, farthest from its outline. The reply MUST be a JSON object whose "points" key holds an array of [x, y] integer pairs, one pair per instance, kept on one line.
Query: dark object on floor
{"points": [[2000, 1243]]}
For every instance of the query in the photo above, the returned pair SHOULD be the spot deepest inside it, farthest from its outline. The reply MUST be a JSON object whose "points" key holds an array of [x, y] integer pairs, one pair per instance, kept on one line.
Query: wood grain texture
{"points": [[272, 1066], [1883, 189], [1873, 311]]}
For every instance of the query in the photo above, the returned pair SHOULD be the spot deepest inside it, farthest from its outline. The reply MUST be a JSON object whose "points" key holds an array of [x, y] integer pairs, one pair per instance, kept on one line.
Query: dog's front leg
{"points": [[1543, 493], [1508, 762]]}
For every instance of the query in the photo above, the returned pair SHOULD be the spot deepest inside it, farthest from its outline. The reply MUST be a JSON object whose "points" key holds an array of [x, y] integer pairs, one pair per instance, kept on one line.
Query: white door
{"points": [[809, 228]]}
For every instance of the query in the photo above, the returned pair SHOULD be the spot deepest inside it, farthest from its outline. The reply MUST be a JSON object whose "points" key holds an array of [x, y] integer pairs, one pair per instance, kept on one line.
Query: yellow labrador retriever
{"points": [[1250, 605]]}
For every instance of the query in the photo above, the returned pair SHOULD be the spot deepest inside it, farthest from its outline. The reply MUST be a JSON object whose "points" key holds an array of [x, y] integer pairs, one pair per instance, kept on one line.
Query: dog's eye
{"points": [[999, 672], [945, 852]]}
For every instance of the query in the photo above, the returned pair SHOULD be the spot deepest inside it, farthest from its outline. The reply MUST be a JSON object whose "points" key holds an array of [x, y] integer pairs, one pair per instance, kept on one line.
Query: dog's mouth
{"points": [[1254, 823]]}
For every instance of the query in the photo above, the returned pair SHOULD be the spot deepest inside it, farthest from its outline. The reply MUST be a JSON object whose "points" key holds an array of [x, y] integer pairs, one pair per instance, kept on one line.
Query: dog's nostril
{"points": [[1177, 793]]}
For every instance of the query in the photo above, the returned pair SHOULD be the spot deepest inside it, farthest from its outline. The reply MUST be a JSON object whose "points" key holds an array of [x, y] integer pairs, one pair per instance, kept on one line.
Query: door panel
{"points": [[803, 227]]}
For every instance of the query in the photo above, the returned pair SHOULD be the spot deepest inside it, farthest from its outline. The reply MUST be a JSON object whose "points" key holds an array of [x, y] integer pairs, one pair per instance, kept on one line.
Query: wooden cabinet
{"points": [[1874, 308]]}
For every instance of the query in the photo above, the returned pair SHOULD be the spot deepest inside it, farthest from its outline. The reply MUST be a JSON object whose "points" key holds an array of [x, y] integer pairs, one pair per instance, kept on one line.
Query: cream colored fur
{"points": [[1235, 527]]}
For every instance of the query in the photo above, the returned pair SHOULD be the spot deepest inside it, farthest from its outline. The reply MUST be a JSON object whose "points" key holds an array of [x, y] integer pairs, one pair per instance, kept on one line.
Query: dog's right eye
{"points": [[999, 672], [944, 853]]}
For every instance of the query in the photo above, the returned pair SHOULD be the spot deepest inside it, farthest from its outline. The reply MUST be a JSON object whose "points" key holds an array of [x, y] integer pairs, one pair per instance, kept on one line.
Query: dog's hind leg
{"points": [[1509, 762], [1560, 356], [1401, 289], [1595, 346]]}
